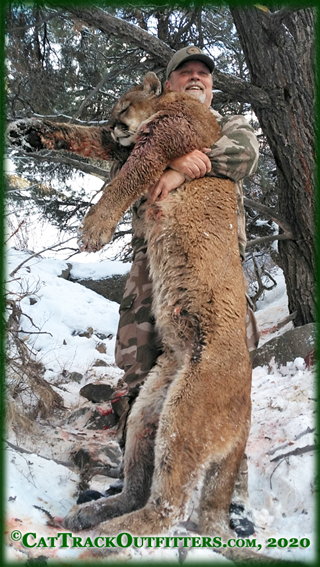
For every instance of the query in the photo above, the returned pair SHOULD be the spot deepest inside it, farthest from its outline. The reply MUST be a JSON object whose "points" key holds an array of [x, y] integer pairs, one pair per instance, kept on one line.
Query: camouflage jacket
{"points": [[235, 155]]}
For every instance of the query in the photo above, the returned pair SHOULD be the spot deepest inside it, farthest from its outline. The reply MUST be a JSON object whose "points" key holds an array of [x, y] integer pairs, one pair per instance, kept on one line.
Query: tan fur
{"points": [[192, 417]]}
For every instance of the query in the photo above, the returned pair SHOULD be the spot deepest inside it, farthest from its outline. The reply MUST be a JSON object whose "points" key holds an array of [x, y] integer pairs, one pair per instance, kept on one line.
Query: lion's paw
{"points": [[146, 521], [83, 516], [94, 233], [24, 134]]}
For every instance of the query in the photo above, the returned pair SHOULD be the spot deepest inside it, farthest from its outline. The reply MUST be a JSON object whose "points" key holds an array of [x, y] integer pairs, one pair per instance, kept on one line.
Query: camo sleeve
{"points": [[236, 153]]}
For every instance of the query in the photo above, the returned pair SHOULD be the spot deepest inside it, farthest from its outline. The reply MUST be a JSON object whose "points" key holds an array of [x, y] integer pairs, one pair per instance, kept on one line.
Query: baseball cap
{"points": [[191, 53]]}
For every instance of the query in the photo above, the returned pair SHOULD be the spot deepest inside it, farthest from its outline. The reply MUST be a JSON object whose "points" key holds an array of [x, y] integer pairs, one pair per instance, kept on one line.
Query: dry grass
{"points": [[29, 395]]}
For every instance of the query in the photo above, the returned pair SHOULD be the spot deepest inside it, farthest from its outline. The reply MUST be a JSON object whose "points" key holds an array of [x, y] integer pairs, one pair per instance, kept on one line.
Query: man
{"points": [[235, 155]]}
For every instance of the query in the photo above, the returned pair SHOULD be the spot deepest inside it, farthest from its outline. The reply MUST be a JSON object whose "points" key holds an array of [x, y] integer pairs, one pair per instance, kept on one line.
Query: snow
{"points": [[62, 311], [272, 309], [98, 270], [281, 487]]}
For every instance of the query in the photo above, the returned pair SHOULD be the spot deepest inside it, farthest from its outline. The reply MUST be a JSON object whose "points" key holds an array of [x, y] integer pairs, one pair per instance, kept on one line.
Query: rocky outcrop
{"points": [[110, 287], [298, 342]]}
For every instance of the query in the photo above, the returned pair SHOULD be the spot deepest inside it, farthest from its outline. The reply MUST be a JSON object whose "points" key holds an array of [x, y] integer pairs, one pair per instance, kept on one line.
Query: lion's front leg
{"points": [[98, 227], [85, 516], [100, 223]]}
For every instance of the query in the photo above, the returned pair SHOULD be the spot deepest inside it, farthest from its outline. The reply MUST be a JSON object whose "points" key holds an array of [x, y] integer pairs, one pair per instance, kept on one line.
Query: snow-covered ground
{"points": [[74, 323]]}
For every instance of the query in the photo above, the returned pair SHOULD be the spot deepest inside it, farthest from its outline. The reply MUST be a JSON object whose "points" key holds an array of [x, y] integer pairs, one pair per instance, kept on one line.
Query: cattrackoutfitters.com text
{"points": [[123, 540]]}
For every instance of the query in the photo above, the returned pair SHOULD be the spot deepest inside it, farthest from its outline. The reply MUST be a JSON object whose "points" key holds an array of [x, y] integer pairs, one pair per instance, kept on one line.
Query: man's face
{"points": [[192, 77]]}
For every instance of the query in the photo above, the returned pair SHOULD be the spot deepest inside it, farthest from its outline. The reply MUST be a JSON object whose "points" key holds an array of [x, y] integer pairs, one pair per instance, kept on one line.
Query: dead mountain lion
{"points": [[191, 419]]}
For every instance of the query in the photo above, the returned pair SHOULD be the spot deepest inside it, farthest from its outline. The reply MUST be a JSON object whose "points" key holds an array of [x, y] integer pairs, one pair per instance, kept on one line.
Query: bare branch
{"points": [[239, 89], [286, 320], [15, 232], [35, 332], [108, 24], [56, 156], [107, 78], [271, 238], [298, 451], [36, 24], [38, 254], [269, 212]]}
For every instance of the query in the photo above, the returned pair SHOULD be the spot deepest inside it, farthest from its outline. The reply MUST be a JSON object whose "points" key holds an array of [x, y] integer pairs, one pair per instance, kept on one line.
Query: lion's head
{"points": [[133, 108]]}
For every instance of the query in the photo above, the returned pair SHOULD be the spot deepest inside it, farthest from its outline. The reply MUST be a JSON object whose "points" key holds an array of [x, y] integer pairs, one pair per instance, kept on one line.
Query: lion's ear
{"points": [[151, 84]]}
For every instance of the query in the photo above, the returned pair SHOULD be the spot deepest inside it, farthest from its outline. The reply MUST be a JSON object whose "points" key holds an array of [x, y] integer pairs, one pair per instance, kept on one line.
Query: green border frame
{"points": [[3, 5]]}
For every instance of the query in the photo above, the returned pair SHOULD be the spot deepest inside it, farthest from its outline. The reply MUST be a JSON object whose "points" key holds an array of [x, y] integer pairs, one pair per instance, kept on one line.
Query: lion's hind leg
{"points": [[139, 453], [196, 428], [203, 421], [217, 491]]}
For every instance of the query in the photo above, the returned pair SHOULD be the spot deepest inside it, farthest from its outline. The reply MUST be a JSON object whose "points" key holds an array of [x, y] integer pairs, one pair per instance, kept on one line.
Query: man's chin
{"points": [[199, 95]]}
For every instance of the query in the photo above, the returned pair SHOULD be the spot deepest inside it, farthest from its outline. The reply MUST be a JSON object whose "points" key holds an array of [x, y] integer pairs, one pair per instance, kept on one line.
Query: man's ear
{"points": [[151, 84]]}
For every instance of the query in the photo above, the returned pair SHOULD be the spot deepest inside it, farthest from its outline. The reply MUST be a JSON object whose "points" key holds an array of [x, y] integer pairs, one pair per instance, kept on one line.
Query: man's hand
{"points": [[168, 181], [194, 165]]}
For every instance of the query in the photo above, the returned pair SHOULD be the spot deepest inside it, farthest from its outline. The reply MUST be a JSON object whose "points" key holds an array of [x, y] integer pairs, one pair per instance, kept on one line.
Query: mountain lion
{"points": [[191, 420]]}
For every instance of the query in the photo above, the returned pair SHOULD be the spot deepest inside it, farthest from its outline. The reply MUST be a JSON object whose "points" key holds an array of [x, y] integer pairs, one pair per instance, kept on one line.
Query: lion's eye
{"points": [[124, 109]]}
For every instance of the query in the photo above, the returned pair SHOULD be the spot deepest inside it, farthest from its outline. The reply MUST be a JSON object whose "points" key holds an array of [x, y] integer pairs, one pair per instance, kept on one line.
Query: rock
{"points": [[102, 336], [88, 333], [97, 393], [101, 347], [298, 342], [102, 419], [75, 415], [99, 459], [65, 274], [72, 376], [88, 496], [100, 362], [111, 288], [75, 376]]}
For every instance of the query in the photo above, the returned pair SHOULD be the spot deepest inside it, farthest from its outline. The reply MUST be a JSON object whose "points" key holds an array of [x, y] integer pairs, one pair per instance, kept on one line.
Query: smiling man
{"points": [[234, 156]]}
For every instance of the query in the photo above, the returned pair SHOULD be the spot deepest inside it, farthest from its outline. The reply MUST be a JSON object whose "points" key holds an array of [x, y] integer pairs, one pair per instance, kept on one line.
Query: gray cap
{"points": [[191, 53]]}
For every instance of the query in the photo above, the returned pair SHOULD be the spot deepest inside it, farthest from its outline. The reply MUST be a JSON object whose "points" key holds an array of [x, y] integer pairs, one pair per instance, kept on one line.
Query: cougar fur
{"points": [[191, 420]]}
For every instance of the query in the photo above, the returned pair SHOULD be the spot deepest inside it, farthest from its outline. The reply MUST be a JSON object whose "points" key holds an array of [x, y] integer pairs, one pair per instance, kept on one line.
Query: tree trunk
{"points": [[279, 50]]}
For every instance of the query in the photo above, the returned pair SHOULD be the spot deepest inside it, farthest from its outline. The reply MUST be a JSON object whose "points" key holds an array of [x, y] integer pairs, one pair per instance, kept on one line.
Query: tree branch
{"points": [[298, 451], [60, 157], [280, 15], [36, 24], [239, 89], [38, 254], [15, 232], [108, 24], [106, 78], [269, 213], [271, 238]]}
